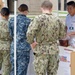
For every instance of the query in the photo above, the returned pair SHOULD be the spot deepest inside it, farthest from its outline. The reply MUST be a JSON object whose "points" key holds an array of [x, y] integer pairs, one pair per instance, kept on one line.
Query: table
{"points": [[66, 60]]}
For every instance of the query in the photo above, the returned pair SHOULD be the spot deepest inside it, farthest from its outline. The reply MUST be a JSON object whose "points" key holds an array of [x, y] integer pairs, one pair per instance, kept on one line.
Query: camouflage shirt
{"points": [[47, 29], [4, 35], [22, 26]]}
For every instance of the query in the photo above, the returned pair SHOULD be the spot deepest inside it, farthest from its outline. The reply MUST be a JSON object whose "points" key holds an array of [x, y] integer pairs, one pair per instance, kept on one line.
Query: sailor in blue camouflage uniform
{"points": [[23, 47]]}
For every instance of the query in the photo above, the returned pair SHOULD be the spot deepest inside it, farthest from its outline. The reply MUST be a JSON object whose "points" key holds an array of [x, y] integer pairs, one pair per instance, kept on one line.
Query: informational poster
{"points": [[65, 61], [66, 64]]}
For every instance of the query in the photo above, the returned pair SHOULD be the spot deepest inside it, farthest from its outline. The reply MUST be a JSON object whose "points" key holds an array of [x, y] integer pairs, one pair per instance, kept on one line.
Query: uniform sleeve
{"points": [[66, 26], [32, 30], [62, 30], [67, 19], [28, 23], [10, 29], [4, 31]]}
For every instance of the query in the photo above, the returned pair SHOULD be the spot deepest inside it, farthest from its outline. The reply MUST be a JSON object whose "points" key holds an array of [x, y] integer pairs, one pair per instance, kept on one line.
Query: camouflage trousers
{"points": [[46, 63], [5, 62], [22, 62]]}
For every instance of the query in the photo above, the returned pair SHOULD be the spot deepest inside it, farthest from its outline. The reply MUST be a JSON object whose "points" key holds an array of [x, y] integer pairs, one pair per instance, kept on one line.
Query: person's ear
{"points": [[25, 12], [51, 9], [41, 8]]}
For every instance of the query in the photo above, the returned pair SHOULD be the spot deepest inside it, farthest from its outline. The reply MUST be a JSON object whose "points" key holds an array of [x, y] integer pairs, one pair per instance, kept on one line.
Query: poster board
{"points": [[73, 63], [67, 61]]}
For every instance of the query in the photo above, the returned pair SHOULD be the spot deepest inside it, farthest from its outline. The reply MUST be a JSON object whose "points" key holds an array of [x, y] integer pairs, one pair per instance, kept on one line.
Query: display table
{"points": [[67, 61], [66, 64]]}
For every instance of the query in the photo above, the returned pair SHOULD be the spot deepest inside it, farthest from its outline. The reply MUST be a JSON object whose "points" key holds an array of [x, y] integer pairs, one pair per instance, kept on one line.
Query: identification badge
{"points": [[71, 28]]}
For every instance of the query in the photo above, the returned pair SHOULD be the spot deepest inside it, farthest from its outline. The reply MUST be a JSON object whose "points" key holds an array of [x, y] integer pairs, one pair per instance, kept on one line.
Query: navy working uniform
{"points": [[5, 41], [23, 47], [47, 29]]}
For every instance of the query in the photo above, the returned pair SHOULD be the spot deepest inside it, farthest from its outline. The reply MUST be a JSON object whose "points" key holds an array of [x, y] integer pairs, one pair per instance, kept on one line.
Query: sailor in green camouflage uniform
{"points": [[46, 29], [4, 42]]}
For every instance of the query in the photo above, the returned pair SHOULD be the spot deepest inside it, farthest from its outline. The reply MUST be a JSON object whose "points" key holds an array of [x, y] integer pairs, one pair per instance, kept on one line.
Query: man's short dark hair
{"points": [[23, 7], [5, 11], [47, 4], [72, 3]]}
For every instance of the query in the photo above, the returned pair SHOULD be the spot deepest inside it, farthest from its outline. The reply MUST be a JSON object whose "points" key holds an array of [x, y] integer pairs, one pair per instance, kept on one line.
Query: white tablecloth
{"points": [[31, 66]]}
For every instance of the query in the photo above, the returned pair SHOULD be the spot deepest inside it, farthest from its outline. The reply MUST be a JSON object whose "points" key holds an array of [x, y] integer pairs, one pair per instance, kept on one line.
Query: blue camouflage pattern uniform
{"points": [[23, 47], [47, 29]]}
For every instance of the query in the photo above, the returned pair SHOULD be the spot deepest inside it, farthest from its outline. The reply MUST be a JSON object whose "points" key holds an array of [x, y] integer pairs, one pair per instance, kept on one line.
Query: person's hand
{"points": [[71, 34], [33, 45], [66, 37]]}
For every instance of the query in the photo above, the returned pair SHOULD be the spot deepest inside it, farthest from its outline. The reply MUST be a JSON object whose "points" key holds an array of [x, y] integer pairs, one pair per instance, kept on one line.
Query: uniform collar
{"points": [[71, 16], [4, 19], [48, 13], [21, 15]]}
